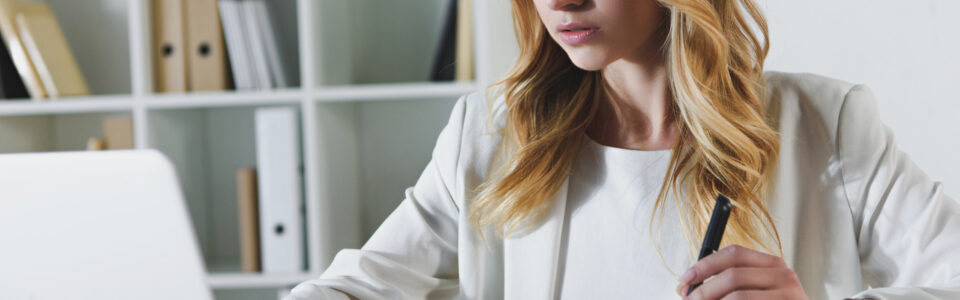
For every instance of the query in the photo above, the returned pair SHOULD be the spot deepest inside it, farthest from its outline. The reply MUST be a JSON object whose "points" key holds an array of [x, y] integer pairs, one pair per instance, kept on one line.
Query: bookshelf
{"points": [[369, 116]]}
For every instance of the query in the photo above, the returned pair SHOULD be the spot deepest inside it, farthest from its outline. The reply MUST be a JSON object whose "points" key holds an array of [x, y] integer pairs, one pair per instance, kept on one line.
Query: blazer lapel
{"points": [[530, 260]]}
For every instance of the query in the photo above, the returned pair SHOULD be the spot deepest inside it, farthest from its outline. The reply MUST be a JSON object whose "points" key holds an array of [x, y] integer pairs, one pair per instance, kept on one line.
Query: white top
{"points": [[609, 251]]}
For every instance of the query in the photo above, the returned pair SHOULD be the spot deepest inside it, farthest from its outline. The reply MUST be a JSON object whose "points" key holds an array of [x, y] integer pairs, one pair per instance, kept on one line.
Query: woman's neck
{"points": [[635, 113]]}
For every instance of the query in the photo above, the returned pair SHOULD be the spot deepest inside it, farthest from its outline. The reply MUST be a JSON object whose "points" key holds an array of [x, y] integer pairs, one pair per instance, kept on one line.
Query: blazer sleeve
{"points": [[908, 230], [413, 254]]}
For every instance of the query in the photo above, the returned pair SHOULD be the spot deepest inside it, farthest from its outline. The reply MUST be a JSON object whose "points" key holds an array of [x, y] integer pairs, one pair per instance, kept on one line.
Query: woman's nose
{"points": [[564, 4]]}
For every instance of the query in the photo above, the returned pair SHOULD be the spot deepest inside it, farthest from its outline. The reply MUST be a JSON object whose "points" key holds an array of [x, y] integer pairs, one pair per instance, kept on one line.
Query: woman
{"points": [[589, 172]]}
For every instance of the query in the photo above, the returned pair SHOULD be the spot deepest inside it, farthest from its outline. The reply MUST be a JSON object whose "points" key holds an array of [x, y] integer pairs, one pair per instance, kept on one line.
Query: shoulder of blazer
{"points": [[485, 112], [813, 98], [477, 119]]}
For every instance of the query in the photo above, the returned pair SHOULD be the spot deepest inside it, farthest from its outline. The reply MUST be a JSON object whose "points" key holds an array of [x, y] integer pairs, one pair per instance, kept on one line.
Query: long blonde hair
{"points": [[726, 145]]}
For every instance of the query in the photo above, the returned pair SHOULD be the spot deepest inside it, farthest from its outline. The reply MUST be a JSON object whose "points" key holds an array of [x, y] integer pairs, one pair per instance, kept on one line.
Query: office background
{"points": [[372, 139]]}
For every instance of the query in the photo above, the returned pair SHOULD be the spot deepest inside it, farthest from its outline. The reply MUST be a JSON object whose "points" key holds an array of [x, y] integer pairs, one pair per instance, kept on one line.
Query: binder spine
{"points": [[278, 161], [206, 57], [168, 47], [255, 46], [237, 50]]}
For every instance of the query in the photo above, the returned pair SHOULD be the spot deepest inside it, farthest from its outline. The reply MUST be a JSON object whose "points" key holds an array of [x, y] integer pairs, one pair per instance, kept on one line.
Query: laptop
{"points": [[96, 225]]}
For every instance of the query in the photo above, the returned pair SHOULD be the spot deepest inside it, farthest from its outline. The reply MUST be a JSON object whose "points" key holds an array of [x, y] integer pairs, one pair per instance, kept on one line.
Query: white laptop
{"points": [[95, 225]]}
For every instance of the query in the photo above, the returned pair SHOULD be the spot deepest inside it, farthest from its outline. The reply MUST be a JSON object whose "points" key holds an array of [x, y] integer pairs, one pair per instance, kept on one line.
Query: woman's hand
{"points": [[741, 273]]}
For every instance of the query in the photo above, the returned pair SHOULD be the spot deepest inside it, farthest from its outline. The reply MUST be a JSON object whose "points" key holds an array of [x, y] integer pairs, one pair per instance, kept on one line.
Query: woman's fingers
{"points": [[733, 280], [729, 257], [736, 272]]}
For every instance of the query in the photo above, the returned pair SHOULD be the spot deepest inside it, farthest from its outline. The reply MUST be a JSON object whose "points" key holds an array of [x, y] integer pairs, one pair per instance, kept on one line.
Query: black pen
{"points": [[711, 240]]}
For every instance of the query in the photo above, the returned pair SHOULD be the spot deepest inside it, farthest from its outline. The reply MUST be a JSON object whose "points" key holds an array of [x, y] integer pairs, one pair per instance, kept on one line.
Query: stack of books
{"points": [[253, 44]]}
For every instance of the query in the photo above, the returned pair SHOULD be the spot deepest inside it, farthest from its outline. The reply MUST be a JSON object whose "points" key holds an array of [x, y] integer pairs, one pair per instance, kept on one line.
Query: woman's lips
{"points": [[577, 36]]}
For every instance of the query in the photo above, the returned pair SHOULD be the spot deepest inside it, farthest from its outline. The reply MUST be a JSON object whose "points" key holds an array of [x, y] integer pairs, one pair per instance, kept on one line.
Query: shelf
{"points": [[346, 93], [223, 98], [66, 105], [254, 280], [394, 91]]}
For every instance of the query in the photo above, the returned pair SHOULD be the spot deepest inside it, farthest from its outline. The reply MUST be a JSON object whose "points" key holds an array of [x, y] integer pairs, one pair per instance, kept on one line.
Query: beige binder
{"points": [[169, 56], [249, 220], [206, 55], [49, 51], [118, 132], [11, 36]]}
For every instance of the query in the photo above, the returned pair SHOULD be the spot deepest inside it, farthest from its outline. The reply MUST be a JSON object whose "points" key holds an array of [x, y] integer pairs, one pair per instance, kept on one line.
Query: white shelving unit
{"points": [[362, 68]]}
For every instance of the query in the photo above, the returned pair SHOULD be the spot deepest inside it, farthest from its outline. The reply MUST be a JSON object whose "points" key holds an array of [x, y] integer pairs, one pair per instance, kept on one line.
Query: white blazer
{"points": [[857, 218]]}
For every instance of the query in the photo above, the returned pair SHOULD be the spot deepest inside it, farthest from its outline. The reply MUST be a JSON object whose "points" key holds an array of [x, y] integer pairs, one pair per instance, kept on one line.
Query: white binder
{"points": [[271, 45], [278, 177], [255, 45], [236, 44]]}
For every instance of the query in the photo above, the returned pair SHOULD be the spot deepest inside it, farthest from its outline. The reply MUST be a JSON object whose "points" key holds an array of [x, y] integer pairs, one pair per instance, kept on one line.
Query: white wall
{"points": [[907, 52]]}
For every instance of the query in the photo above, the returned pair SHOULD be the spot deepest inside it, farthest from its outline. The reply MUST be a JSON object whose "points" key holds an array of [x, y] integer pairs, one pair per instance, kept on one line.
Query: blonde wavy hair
{"points": [[726, 145]]}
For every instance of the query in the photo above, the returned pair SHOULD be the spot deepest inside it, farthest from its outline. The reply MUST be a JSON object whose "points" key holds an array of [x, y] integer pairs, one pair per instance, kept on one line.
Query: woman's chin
{"points": [[587, 61]]}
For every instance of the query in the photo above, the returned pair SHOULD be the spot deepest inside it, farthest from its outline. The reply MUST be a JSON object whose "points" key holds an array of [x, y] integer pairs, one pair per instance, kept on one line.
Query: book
{"points": [[236, 45], [253, 45], [256, 47], [248, 219], [18, 54], [11, 86], [49, 51], [118, 132], [271, 45]]}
